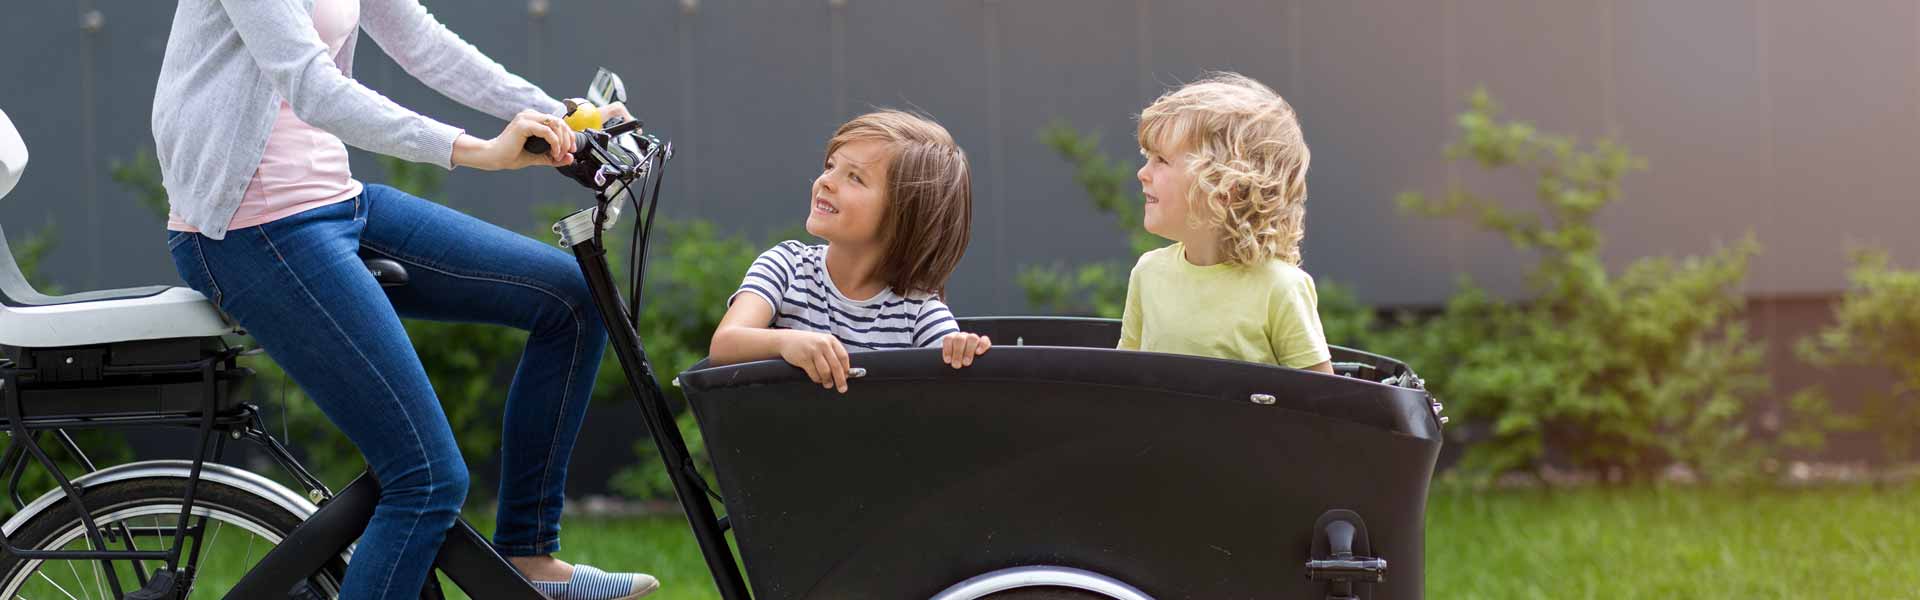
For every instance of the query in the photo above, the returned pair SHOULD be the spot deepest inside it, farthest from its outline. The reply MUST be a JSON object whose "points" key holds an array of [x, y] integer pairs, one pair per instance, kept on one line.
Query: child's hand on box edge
{"points": [[821, 356], [959, 348]]}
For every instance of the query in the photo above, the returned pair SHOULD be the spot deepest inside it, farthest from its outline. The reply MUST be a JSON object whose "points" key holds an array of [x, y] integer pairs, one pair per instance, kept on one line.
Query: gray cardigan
{"points": [[229, 63]]}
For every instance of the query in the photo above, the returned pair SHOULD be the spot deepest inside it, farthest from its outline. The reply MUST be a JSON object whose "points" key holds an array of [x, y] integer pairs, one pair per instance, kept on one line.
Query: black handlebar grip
{"points": [[539, 145], [536, 145]]}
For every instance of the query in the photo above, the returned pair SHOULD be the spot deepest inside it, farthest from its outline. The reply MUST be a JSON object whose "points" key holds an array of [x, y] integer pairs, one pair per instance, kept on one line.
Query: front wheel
{"points": [[143, 514], [1046, 593], [1042, 582]]}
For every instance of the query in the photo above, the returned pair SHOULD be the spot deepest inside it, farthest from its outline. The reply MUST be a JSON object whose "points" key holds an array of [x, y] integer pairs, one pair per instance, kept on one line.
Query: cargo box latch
{"points": [[1342, 556]]}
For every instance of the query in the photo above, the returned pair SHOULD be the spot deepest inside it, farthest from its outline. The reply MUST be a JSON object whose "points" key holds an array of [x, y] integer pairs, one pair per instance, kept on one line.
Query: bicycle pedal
{"points": [[159, 587]]}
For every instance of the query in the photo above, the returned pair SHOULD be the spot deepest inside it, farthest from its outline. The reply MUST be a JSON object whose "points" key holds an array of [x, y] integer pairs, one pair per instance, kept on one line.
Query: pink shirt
{"points": [[303, 167]]}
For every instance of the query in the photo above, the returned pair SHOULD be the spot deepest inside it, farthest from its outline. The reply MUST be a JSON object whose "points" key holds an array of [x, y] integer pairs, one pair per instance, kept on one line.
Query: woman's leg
{"points": [[299, 288], [463, 269]]}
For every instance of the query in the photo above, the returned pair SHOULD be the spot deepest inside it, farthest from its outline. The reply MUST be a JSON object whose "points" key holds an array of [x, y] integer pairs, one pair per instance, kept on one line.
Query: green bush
{"points": [[1621, 373], [1877, 325]]}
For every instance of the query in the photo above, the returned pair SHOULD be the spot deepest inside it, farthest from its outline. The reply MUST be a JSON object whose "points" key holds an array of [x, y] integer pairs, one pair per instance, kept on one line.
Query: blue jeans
{"points": [[299, 287]]}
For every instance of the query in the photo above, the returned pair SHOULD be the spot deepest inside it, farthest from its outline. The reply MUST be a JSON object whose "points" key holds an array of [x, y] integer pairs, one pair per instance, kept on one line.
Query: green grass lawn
{"points": [[1692, 543], [1852, 542], [1589, 543]]}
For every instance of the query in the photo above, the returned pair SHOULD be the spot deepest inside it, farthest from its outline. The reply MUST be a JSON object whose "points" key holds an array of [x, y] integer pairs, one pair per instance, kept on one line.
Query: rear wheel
{"points": [[143, 514]]}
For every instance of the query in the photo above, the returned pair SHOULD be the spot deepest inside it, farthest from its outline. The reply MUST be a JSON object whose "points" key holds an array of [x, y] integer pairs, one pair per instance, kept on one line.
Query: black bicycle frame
{"points": [[708, 529], [466, 557]]}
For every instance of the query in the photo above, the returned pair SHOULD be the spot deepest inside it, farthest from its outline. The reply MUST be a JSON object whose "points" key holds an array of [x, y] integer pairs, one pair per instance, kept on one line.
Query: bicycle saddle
{"points": [[387, 271]]}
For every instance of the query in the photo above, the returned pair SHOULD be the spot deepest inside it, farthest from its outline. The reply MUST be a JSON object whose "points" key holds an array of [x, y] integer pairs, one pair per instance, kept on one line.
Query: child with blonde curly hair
{"points": [[1226, 180]]}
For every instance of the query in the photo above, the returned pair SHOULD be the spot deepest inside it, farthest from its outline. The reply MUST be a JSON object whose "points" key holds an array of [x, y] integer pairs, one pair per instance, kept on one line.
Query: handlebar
{"points": [[581, 139], [538, 145], [606, 157], [617, 163], [614, 128]]}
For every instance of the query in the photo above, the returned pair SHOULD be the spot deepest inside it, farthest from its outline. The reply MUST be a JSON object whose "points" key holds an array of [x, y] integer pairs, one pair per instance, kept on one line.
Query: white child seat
{"points": [[30, 319]]}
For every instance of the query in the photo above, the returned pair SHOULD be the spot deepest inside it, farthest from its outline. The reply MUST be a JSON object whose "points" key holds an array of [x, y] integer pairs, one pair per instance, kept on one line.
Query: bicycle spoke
{"points": [[56, 585], [248, 563], [216, 535], [160, 536], [78, 581], [98, 584], [139, 566]]}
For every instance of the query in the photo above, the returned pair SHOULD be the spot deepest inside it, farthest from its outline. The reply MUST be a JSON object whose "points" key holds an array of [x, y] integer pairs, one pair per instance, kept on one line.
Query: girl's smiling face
{"points": [[850, 195]]}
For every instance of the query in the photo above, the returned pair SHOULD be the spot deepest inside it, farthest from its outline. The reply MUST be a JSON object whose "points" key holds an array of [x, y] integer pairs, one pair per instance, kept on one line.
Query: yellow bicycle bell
{"points": [[582, 115]]}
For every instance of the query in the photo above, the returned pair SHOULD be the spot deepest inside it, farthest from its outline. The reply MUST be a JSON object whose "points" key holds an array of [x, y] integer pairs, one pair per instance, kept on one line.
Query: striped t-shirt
{"points": [[792, 277]]}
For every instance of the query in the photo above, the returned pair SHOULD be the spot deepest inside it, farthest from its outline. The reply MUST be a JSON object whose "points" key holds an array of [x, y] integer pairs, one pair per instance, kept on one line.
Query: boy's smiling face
{"points": [[1168, 187], [850, 195]]}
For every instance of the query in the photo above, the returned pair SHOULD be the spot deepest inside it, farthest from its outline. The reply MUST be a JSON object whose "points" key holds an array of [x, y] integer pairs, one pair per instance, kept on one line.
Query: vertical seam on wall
{"points": [[1762, 65], [997, 147], [1143, 51], [688, 128], [1294, 48], [1450, 93], [838, 18], [1609, 114], [535, 41], [90, 148]]}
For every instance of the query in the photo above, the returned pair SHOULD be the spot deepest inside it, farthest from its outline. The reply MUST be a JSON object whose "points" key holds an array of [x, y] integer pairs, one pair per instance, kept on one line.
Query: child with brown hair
{"points": [[894, 202]]}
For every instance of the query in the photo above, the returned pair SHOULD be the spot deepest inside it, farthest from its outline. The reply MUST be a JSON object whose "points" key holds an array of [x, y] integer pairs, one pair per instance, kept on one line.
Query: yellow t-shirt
{"points": [[1265, 313]]}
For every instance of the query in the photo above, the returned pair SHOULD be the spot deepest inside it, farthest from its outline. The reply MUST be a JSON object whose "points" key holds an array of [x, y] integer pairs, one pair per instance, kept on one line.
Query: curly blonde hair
{"points": [[1247, 158]]}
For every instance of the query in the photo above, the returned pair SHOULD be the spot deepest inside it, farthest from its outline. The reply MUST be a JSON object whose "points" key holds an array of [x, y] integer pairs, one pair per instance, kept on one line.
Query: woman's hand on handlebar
{"points": [[504, 151]]}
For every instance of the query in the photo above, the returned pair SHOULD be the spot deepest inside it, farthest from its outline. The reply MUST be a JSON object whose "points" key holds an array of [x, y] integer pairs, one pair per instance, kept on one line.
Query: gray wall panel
{"points": [[126, 62], [1788, 119], [754, 142], [45, 80], [1691, 98], [1060, 61], [931, 58], [1255, 39], [1843, 97], [1375, 110]]}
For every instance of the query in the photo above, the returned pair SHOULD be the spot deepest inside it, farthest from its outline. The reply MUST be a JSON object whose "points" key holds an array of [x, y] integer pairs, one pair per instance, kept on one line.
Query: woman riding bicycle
{"points": [[253, 109]]}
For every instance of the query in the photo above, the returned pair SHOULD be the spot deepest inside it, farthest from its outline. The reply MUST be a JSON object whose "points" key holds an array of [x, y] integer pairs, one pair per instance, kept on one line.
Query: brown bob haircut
{"points": [[929, 209]]}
